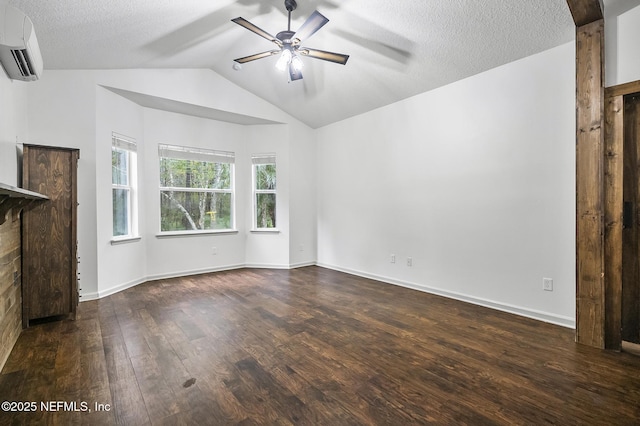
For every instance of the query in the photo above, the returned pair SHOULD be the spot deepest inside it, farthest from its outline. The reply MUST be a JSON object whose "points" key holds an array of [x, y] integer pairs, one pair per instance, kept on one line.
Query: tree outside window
{"points": [[196, 189], [264, 188], [123, 183]]}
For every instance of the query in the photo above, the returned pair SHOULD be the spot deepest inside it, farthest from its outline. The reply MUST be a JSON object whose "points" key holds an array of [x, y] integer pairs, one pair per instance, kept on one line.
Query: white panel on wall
{"points": [[473, 181], [621, 48], [13, 127], [303, 197], [269, 249], [120, 265]]}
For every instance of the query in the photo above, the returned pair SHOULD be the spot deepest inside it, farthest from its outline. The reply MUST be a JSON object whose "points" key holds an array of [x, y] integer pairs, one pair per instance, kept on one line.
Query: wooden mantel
{"points": [[12, 201], [15, 199]]}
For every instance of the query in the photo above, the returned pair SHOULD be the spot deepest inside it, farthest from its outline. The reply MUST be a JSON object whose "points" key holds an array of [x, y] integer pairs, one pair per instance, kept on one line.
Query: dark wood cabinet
{"points": [[49, 234]]}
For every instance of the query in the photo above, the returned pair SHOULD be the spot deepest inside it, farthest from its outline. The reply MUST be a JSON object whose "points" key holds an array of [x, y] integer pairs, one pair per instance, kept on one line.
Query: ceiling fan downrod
{"points": [[291, 6]]}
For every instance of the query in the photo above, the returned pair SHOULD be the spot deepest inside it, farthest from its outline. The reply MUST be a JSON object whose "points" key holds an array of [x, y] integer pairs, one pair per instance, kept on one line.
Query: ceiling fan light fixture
{"points": [[284, 60], [289, 43], [296, 63]]}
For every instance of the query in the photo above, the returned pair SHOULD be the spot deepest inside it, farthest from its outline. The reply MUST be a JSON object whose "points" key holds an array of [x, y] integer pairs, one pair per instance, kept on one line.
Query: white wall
{"points": [[621, 51], [13, 126], [72, 109], [170, 256], [302, 205], [268, 248], [124, 264], [295, 244], [61, 112], [474, 181]]}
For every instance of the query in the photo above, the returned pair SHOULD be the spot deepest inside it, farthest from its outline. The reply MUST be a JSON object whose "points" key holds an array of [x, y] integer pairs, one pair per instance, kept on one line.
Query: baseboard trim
{"points": [[560, 320], [631, 348], [86, 297], [301, 265], [168, 275], [504, 307], [276, 266], [112, 290], [119, 288], [265, 266]]}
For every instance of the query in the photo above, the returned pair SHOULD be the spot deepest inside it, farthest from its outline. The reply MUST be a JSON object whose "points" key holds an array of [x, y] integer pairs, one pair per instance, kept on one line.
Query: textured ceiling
{"points": [[397, 48]]}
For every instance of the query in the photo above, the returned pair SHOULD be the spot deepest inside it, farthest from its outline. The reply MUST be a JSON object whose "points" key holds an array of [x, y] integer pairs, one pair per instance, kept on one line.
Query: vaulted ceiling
{"points": [[397, 48]]}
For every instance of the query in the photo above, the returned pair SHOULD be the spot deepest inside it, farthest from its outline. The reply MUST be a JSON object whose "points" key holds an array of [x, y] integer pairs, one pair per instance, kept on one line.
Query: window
{"points": [[124, 184], [264, 191], [196, 189]]}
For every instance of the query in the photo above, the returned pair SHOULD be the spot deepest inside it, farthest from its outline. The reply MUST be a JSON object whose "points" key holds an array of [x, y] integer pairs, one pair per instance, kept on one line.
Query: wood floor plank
{"points": [[158, 398], [128, 403], [311, 346]]}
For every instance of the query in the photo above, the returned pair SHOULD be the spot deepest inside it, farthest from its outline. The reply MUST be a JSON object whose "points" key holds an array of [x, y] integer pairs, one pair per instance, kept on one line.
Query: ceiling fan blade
{"points": [[313, 23], [294, 74], [338, 58], [257, 56], [254, 29]]}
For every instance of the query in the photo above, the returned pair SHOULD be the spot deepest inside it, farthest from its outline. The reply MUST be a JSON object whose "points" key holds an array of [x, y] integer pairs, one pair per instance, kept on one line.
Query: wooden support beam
{"points": [[613, 195], [590, 293], [586, 11], [623, 89]]}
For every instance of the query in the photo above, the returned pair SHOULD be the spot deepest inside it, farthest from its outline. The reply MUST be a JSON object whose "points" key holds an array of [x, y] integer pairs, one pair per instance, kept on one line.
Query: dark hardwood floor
{"points": [[309, 346]]}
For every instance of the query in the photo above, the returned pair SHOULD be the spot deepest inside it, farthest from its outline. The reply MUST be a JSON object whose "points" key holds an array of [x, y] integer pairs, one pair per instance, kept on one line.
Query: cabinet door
{"points": [[49, 236]]}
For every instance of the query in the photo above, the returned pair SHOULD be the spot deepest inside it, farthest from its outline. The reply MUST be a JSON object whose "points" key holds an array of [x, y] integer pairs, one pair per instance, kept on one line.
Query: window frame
{"points": [[128, 146], [260, 160], [204, 155]]}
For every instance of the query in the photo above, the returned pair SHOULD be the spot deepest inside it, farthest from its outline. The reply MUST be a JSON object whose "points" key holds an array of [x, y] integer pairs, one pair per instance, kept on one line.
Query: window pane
{"points": [[194, 174], [120, 212], [192, 211], [265, 176], [266, 210], [119, 167]]}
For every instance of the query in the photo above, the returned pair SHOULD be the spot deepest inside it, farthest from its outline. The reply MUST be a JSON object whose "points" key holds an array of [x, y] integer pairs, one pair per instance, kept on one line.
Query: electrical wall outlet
{"points": [[392, 258], [214, 250], [547, 284], [409, 261]]}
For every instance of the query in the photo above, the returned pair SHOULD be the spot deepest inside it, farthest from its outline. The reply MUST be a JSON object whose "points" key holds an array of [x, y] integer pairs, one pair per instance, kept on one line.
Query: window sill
{"points": [[265, 231], [124, 240], [195, 233]]}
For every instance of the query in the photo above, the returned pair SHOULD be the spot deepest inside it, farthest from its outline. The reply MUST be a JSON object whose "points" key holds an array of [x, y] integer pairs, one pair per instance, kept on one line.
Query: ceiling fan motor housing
{"points": [[290, 5], [289, 43], [286, 37]]}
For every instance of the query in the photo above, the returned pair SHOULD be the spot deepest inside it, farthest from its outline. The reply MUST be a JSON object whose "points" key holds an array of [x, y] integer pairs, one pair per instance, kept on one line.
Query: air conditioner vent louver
{"points": [[23, 61], [19, 51]]}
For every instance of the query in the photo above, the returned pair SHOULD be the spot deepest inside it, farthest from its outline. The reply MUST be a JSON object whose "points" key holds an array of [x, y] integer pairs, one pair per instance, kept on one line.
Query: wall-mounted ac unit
{"points": [[19, 51]]}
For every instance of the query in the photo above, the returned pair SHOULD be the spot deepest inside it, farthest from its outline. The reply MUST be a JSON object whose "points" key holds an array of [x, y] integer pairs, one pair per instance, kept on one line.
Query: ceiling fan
{"points": [[289, 43]]}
